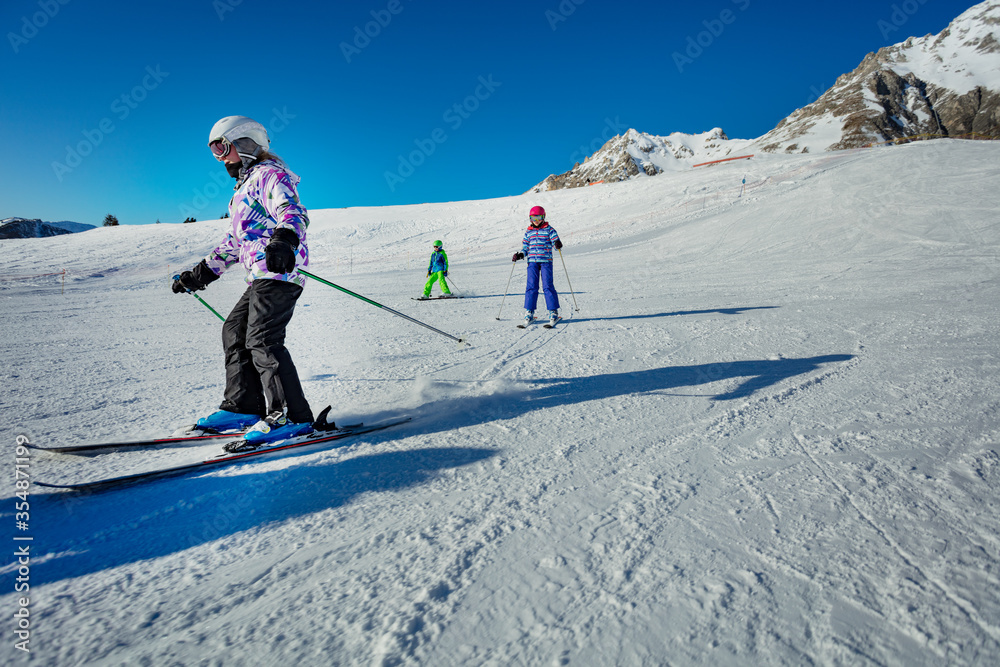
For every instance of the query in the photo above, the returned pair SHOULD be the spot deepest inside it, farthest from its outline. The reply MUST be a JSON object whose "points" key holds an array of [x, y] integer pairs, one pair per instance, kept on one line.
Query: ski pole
{"points": [[575, 307], [379, 305], [506, 288], [452, 283], [204, 303]]}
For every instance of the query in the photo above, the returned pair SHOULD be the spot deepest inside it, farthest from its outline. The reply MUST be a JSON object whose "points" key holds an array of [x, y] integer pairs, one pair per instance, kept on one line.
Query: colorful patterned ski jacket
{"points": [[439, 262], [266, 200], [538, 243]]}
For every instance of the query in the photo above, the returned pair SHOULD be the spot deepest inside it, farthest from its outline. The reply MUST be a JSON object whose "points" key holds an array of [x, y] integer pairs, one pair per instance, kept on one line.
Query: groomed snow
{"points": [[770, 435]]}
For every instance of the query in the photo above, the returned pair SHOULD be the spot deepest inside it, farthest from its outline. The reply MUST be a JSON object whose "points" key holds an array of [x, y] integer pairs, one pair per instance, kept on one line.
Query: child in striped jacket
{"points": [[539, 239]]}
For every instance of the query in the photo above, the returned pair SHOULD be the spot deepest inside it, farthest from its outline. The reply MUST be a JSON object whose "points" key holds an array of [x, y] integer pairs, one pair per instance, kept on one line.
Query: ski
{"points": [[92, 447], [435, 298], [553, 324], [314, 438], [100, 447]]}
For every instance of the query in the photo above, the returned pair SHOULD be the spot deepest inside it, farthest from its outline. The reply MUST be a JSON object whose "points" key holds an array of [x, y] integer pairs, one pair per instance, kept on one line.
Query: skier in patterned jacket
{"points": [[267, 236], [539, 239], [437, 271]]}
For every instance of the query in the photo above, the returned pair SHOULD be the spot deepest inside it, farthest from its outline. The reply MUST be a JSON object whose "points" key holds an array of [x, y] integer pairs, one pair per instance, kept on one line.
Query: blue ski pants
{"points": [[543, 270]]}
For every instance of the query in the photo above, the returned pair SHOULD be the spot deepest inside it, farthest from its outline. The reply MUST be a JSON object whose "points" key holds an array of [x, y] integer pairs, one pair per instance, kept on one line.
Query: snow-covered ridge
{"points": [[640, 154], [23, 228], [963, 56]]}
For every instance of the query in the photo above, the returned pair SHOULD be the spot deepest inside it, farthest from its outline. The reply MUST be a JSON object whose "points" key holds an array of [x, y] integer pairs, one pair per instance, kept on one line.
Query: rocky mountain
{"points": [[639, 154], [945, 84], [21, 228]]}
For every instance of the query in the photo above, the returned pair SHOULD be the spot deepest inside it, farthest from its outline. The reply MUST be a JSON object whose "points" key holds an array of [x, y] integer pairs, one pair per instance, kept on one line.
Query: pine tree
{"points": [[110, 221]]}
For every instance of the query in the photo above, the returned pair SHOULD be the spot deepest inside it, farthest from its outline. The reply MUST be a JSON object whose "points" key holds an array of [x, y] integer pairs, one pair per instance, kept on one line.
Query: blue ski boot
{"points": [[272, 428], [223, 420]]}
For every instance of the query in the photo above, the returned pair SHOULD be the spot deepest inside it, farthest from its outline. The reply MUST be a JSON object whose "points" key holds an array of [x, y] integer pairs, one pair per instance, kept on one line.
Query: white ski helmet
{"points": [[232, 128]]}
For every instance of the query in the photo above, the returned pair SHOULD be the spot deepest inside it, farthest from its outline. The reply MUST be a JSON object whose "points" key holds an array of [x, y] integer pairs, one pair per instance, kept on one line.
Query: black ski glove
{"points": [[192, 281], [517, 256], [279, 254], [558, 244]]}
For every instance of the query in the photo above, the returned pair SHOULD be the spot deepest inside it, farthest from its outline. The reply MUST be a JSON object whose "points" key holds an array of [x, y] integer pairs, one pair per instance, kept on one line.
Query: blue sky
{"points": [[105, 107]]}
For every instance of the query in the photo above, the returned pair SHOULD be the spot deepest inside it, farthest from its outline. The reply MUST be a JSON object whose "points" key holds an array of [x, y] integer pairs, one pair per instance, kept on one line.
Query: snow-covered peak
{"points": [[964, 55], [636, 154], [946, 84]]}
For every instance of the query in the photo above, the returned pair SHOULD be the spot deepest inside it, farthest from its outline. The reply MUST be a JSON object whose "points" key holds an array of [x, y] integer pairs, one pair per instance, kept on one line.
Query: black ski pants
{"points": [[260, 375]]}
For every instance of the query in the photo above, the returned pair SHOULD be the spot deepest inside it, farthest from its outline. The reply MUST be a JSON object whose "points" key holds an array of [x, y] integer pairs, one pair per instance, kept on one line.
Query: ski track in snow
{"points": [[769, 436]]}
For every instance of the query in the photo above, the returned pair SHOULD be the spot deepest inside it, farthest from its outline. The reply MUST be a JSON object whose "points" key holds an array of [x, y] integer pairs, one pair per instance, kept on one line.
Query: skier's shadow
{"points": [[755, 375], [542, 394], [86, 533], [722, 311]]}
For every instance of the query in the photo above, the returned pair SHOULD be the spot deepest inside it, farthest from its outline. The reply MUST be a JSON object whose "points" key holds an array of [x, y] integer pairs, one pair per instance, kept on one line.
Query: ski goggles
{"points": [[220, 148], [537, 218]]}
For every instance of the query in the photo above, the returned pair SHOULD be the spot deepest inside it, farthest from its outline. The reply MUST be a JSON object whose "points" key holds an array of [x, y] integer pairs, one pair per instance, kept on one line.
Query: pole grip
{"points": [[203, 302]]}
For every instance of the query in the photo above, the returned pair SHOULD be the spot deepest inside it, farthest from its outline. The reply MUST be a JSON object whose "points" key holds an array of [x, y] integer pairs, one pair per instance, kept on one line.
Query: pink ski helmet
{"points": [[537, 210]]}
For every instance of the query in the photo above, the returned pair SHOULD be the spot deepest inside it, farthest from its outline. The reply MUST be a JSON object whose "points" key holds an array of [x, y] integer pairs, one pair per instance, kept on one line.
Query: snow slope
{"points": [[769, 436]]}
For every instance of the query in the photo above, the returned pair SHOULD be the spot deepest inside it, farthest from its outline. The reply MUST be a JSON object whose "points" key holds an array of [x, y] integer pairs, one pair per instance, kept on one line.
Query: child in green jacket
{"points": [[437, 270]]}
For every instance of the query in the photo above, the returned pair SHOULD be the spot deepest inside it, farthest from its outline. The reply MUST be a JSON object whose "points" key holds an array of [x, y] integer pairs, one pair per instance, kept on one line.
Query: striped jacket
{"points": [[265, 201], [538, 243]]}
